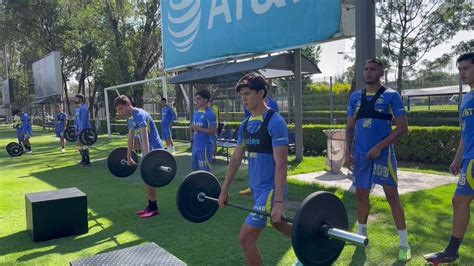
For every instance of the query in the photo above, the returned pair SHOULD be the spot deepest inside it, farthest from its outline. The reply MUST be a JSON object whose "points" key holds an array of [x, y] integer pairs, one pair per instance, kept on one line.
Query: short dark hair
{"points": [[79, 95], [163, 99], [376, 61], [466, 57], [16, 111], [205, 94], [121, 100], [253, 81]]}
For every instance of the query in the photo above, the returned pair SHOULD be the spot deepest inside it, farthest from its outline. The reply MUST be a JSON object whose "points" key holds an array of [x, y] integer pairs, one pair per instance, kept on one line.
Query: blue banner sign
{"points": [[202, 31]]}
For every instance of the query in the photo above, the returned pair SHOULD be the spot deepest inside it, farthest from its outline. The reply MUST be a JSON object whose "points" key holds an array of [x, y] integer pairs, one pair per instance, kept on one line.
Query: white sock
{"points": [[362, 229], [403, 238]]}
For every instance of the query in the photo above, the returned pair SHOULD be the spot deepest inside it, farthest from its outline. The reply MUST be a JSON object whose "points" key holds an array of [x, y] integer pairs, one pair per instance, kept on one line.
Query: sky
{"points": [[333, 64]]}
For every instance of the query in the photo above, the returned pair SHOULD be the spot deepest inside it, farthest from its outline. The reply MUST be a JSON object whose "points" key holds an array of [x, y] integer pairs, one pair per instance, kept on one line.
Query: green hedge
{"points": [[429, 144], [421, 144], [415, 118]]}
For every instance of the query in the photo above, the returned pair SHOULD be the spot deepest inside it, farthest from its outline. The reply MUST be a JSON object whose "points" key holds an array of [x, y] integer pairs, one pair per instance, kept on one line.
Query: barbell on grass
{"points": [[158, 167], [14, 149], [87, 137], [319, 226]]}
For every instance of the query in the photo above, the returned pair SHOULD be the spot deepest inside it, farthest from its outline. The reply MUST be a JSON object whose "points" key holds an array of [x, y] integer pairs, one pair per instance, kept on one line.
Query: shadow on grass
{"points": [[113, 225]]}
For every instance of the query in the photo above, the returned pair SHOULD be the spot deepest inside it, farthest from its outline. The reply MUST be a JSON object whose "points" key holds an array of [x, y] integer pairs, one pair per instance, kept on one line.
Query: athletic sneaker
{"points": [[63, 150], [404, 254], [245, 192], [143, 211], [149, 214], [441, 257]]}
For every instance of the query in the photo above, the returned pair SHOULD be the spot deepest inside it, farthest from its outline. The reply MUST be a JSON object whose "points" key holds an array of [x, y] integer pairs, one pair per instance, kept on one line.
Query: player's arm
{"points": [[131, 137], [455, 166], [350, 130], [401, 128], [145, 140], [350, 133], [234, 164]]}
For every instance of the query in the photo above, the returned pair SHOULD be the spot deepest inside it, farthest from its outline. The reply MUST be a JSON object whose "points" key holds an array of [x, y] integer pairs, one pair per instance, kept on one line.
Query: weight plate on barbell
{"points": [[309, 244], [154, 165], [88, 136], [14, 149], [117, 163], [70, 134], [189, 205]]}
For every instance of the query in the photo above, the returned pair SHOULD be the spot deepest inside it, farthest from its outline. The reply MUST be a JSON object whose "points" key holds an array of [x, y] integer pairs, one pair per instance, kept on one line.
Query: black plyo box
{"points": [[57, 213], [148, 254]]}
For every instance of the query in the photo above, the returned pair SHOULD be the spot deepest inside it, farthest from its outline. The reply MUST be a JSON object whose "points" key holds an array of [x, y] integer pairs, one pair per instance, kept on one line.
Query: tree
{"points": [[136, 45], [411, 28]]}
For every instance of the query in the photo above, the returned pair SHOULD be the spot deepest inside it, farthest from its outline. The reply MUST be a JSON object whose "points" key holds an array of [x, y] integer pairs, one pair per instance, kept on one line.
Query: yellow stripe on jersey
{"points": [[390, 166], [256, 118], [268, 207], [469, 177]]}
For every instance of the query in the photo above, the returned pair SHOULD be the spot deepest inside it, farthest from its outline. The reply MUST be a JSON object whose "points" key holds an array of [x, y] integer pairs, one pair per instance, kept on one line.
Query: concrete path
{"points": [[408, 181]]}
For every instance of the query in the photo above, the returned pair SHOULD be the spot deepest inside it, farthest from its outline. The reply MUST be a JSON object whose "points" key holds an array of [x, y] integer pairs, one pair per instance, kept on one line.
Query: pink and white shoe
{"points": [[149, 214]]}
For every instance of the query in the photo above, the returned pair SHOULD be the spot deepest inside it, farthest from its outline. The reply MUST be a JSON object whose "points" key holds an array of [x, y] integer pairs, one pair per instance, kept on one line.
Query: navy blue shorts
{"points": [[201, 159], [382, 171], [466, 182]]}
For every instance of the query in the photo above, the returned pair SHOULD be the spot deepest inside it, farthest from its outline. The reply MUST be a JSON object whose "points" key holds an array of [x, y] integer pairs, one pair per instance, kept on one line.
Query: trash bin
{"points": [[336, 145]]}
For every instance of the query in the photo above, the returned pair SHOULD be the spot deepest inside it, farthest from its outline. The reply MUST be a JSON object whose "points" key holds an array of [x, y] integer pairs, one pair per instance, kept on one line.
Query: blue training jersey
{"points": [[205, 119], [81, 120], [26, 124], [467, 126], [61, 120], [261, 165], [271, 103], [370, 131], [167, 115], [141, 119]]}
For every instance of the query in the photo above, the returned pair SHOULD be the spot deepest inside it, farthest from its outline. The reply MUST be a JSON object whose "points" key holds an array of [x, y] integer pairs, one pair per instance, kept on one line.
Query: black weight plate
{"points": [[9, 145], [14, 149], [117, 163], [150, 168], [88, 136], [70, 134], [190, 207], [310, 246]]}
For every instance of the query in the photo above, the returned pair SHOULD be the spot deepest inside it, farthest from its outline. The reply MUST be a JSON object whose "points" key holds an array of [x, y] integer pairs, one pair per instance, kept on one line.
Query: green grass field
{"points": [[113, 225]]}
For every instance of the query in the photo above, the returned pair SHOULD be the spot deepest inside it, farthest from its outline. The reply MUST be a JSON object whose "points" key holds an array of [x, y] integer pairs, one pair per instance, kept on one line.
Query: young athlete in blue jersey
{"points": [[167, 117], [140, 123], [462, 163], [25, 129], [82, 122], [370, 114], [264, 136], [272, 104], [61, 122], [204, 126]]}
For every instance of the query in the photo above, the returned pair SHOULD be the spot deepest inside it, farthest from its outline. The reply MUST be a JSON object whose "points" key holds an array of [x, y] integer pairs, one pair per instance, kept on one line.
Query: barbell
{"points": [[319, 226], [14, 149], [87, 137], [158, 167]]}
